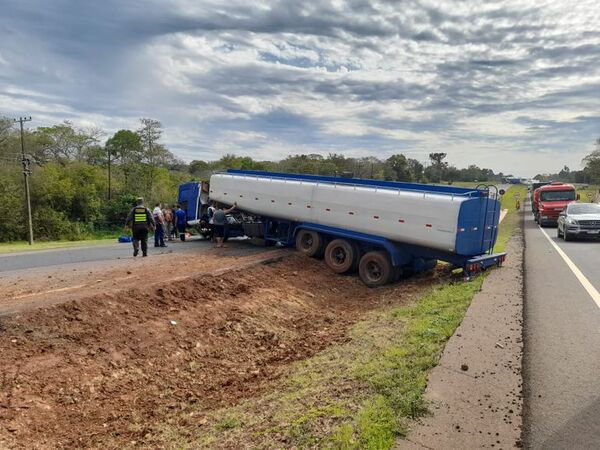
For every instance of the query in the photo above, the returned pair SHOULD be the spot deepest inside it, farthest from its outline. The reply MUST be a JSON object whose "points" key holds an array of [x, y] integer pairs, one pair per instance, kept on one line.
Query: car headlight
{"points": [[571, 221]]}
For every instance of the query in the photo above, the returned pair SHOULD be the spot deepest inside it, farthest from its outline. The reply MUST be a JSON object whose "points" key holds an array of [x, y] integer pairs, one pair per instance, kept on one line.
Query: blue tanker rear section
{"points": [[477, 228]]}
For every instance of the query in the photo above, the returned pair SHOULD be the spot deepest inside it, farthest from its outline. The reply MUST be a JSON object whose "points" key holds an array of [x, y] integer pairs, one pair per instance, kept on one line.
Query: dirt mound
{"points": [[108, 370]]}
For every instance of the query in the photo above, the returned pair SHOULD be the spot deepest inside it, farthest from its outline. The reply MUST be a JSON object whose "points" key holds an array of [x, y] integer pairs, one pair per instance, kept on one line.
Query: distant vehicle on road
{"points": [[550, 200], [539, 184], [579, 220]]}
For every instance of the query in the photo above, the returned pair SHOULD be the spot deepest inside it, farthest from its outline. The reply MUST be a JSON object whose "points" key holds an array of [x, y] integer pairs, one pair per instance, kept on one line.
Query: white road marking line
{"points": [[580, 276]]}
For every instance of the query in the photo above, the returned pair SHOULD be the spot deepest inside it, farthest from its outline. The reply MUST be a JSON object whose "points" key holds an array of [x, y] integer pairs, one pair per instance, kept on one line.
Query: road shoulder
{"points": [[476, 390]]}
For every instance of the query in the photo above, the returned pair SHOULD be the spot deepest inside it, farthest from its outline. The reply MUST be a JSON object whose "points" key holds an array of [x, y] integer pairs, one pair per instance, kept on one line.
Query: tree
{"points": [[435, 172], [64, 142], [438, 159], [5, 128], [198, 167], [592, 163], [125, 146], [565, 174], [451, 174], [399, 165], [416, 169], [150, 132]]}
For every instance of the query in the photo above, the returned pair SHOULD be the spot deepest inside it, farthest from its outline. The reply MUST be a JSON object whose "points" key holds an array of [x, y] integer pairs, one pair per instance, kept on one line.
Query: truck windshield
{"points": [[557, 196]]}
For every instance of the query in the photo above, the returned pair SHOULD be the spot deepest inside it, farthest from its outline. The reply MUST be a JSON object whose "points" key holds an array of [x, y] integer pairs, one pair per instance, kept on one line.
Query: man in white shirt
{"points": [[159, 233]]}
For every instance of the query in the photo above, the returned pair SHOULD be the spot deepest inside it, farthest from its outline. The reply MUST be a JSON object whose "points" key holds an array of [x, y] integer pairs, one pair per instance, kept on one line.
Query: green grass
{"points": [[14, 247], [583, 193], [511, 220]]}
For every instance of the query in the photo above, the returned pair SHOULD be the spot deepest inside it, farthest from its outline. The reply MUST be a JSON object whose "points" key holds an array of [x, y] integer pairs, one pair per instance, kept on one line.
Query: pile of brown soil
{"points": [[106, 371]]}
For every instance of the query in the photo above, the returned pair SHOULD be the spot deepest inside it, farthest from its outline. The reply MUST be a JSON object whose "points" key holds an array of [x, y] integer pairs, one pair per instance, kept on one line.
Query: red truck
{"points": [[549, 200]]}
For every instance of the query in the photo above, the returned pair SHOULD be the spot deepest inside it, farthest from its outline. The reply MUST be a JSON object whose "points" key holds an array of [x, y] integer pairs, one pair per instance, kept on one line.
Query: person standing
{"points": [[211, 221], [219, 221], [169, 222], [139, 220], [159, 233], [180, 222]]}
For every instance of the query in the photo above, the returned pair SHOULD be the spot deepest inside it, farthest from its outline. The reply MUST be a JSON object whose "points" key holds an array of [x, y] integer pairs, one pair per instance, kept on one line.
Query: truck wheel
{"points": [[558, 233], [375, 268], [341, 256], [309, 243]]}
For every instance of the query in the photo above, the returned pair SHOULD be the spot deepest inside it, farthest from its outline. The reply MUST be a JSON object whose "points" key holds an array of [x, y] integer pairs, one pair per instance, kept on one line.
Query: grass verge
{"points": [[361, 394], [15, 247], [589, 194], [509, 202]]}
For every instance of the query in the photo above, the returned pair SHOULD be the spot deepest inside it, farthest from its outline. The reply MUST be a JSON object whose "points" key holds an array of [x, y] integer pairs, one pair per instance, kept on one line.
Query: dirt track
{"points": [[106, 371], [28, 289]]}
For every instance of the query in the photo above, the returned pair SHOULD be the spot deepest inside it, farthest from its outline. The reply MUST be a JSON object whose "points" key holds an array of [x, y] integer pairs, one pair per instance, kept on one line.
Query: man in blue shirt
{"points": [[180, 222]]}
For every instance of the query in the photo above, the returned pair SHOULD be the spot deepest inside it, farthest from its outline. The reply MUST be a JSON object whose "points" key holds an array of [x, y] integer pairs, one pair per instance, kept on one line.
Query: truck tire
{"points": [[341, 256], [310, 243], [375, 268]]}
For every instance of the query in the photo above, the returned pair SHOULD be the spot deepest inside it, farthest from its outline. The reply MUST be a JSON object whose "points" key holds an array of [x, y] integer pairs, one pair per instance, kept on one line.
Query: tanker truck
{"points": [[384, 230]]}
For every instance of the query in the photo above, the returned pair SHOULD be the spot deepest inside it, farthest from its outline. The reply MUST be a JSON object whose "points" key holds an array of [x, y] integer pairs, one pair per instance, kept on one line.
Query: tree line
{"points": [[590, 174], [70, 193], [395, 168], [73, 196]]}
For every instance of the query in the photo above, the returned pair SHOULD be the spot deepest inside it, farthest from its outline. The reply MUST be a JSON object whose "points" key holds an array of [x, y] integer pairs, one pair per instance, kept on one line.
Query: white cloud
{"points": [[508, 85]]}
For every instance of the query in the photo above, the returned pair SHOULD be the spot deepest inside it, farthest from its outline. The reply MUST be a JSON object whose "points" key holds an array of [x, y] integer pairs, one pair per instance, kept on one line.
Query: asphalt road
{"points": [[561, 342], [78, 255]]}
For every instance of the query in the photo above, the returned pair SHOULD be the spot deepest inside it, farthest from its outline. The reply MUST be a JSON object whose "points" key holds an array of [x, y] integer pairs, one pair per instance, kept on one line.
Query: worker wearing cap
{"points": [[140, 220]]}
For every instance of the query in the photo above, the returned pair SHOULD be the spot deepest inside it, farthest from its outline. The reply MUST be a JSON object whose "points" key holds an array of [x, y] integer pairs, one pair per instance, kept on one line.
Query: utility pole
{"points": [[109, 152], [26, 172]]}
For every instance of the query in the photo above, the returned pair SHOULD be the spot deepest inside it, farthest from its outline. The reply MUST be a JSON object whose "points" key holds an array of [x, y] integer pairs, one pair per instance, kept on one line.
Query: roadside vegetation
{"points": [[511, 221], [589, 193]]}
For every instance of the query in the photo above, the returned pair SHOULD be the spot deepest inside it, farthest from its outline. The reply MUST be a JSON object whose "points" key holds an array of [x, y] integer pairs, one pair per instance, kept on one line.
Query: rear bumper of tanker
{"points": [[478, 264]]}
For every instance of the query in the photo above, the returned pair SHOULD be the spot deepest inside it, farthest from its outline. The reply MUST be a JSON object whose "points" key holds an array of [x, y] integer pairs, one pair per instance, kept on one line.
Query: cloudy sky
{"points": [[511, 85]]}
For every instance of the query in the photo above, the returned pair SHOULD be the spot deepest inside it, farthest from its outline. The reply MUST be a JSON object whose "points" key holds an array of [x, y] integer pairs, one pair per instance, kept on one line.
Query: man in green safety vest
{"points": [[140, 220]]}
